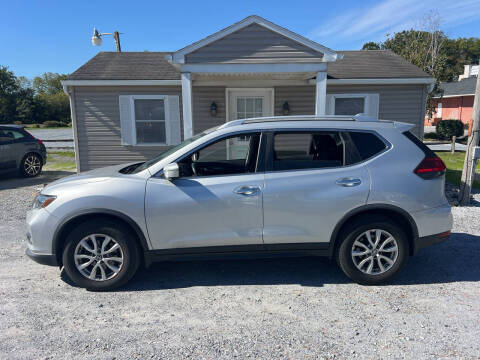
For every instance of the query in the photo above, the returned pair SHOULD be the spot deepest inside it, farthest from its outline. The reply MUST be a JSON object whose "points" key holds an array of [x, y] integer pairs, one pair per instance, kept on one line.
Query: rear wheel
{"points": [[100, 255], [373, 250], [31, 165]]}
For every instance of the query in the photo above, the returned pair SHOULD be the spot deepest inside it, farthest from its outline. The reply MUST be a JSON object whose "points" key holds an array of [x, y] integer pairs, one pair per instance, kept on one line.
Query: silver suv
{"points": [[365, 192]]}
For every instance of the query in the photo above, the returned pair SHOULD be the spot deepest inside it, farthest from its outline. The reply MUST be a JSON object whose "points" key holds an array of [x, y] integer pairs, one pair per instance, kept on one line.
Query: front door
{"points": [[217, 201], [249, 103]]}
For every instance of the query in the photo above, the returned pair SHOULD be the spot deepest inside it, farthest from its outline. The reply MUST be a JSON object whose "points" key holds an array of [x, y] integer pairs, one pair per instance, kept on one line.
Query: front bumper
{"points": [[44, 259]]}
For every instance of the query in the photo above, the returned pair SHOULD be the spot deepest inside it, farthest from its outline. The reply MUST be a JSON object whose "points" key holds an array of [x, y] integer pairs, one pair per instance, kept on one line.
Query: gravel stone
{"points": [[269, 308]]}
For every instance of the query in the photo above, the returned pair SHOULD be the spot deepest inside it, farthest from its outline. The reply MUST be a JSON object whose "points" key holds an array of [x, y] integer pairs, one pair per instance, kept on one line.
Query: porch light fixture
{"points": [[213, 109], [97, 38], [285, 108]]}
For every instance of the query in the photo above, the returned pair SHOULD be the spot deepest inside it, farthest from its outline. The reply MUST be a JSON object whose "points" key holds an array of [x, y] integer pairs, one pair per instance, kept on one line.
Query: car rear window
{"points": [[367, 144]]}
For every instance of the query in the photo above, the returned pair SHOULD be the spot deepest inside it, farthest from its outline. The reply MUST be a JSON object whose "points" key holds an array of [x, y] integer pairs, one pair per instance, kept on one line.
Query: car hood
{"points": [[97, 175]]}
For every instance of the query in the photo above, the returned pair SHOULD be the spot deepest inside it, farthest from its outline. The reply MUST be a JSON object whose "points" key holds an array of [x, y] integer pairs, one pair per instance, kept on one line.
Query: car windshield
{"points": [[163, 155]]}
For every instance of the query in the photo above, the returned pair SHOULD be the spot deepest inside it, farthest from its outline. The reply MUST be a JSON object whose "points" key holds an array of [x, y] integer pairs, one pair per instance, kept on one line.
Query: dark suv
{"points": [[20, 151]]}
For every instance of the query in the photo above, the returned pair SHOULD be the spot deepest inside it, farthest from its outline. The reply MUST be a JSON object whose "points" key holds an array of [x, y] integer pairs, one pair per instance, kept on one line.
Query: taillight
{"points": [[39, 141], [430, 168]]}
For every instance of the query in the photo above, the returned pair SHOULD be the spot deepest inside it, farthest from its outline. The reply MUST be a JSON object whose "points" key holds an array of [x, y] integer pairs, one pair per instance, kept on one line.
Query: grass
{"points": [[454, 163], [47, 128], [60, 161]]}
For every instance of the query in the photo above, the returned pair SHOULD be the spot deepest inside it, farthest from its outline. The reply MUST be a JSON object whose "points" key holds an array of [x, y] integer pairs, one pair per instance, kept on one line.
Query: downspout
{"points": [[71, 93]]}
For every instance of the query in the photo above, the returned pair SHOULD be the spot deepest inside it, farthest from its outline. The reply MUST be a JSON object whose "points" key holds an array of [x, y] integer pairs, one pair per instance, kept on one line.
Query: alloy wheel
{"points": [[32, 165], [374, 251], [98, 257]]}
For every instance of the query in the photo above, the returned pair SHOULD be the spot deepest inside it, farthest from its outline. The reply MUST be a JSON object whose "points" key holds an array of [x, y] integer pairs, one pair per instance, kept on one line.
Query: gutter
{"points": [[70, 92]]}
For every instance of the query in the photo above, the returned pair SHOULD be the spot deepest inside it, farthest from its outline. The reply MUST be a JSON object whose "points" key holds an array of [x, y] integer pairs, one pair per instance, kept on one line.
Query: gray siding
{"points": [[301, 99], [202, 98], [98, 125], [397, 102], [404, 103], [254, 44]]}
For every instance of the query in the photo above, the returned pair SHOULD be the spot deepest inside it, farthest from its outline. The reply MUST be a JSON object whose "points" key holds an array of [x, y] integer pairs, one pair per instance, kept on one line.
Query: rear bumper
{"points": [[426, 241], [44, 259]]}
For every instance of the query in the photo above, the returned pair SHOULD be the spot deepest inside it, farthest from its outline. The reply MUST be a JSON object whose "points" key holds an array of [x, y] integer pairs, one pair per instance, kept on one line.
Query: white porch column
{"points": [[187, 105], [321, 93]]}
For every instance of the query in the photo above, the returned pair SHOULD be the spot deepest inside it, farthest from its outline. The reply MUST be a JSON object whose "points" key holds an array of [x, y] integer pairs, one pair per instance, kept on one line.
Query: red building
{"points": [[457, 100]]}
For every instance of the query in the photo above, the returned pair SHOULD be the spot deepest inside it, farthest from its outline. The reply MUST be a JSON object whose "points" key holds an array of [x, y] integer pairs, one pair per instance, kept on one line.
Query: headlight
{"points": [[42, 201]]}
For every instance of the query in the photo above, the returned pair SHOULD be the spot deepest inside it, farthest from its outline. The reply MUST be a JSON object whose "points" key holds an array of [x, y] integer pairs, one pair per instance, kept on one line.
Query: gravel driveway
{"points": [[276, 308]]}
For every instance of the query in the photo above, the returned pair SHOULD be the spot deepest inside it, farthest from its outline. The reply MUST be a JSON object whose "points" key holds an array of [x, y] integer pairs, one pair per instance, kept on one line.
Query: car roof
{"points": [[11, 126], [359, 121]]}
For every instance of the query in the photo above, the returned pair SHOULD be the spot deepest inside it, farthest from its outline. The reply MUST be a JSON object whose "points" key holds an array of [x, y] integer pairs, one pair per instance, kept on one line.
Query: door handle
{"points": [[247, 190], [348, 182]]}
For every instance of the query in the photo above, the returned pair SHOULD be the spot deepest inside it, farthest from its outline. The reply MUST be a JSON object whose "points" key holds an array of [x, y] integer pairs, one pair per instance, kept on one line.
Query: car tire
{"points": [[356, 255], [80, 249], [31, 165]]}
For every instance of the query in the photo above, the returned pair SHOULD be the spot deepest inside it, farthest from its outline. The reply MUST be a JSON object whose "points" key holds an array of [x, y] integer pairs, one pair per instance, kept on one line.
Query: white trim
{"points": [[329, 54], [228, 92], [71, 97], [249, 82], [253, 68], [371, 105], [320, 93], [452, 96], [187, 105], [377, 81], [166, 113], [119, 82]]}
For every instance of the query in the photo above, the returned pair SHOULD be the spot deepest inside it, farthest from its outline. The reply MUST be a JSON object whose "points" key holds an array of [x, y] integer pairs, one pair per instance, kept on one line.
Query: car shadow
{"points": [[455, 260], [14, 181]]}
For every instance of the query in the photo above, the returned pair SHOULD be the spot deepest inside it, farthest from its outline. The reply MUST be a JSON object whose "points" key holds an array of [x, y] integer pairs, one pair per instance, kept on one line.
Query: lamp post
{"points": [[97, 38]]}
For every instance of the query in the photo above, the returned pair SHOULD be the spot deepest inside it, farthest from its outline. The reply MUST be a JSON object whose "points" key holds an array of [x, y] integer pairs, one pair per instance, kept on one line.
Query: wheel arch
{"points": [[71, 222], [396, 214]]}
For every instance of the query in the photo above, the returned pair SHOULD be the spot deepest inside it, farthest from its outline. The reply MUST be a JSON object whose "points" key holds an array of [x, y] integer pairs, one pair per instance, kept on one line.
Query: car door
{"points": [[7, 154], [310, 186], [216, 202]]}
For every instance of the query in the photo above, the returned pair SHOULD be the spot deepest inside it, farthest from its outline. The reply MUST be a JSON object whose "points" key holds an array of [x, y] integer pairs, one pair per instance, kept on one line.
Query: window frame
{"points": [[366, 105], [260, 163], [166, 121], [270, 148]]}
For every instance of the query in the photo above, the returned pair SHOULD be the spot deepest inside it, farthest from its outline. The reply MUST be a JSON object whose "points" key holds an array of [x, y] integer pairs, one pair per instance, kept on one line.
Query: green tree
{"points": [[48, 83], [8, 91], [371, 46]]}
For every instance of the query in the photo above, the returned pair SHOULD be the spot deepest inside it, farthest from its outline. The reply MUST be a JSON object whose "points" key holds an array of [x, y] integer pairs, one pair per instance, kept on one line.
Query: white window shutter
{"points": [[372, 105], [329, 106], [174, 120], [126, 121]]}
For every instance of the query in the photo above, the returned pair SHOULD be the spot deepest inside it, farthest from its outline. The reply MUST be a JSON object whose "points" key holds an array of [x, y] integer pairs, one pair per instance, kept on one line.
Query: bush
{"points": [[52, 123], [431, 136], [17, 122], [448, 128]]}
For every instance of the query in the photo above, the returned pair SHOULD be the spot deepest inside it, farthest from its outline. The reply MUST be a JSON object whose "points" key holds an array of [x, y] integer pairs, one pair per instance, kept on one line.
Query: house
{"points": [[130, 106], [456, 102]]}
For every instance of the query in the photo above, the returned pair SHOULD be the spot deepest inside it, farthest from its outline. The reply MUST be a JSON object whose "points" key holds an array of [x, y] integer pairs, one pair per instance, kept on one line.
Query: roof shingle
{"points": [[361, 64], [127, 66], [462, 87]]}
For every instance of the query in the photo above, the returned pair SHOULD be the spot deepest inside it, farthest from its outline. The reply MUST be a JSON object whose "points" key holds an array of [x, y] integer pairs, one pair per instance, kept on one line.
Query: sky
{"points": [[54, 36]]}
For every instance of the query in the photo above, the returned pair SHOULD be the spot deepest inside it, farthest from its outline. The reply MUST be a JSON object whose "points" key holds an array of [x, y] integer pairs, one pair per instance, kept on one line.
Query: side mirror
{"points": [[171, 171]]}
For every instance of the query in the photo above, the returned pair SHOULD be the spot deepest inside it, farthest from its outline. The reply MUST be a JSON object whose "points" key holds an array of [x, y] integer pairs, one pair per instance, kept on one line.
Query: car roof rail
{"points": [[357, 117]]}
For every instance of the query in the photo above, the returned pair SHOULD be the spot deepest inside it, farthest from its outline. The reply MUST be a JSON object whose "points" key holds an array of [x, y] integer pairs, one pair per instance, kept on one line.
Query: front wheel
{"points": [[100, 255], [373, 250]]}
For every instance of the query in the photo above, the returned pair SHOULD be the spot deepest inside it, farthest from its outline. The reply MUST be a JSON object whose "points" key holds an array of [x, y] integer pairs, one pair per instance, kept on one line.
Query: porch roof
{"points": [[362, 64]]}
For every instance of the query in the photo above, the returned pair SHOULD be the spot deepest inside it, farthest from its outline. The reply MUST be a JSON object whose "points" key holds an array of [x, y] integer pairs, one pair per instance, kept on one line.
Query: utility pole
{"points": [[468, 173], [116, 36]]}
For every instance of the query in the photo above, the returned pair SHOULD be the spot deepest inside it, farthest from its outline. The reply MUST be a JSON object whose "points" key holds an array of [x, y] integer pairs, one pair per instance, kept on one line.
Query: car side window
{"points": [[230, 155], [7, 135], [366, 144], [307, 150]]}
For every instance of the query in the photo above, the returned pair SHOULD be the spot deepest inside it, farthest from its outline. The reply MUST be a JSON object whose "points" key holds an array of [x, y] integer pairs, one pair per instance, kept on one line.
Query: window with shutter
{"points": [[150, 119]]}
